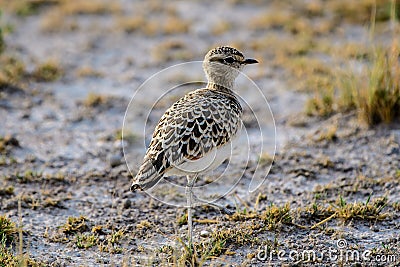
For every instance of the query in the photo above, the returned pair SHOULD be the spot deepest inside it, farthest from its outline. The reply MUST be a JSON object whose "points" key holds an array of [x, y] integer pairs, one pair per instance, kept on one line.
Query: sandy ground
{"points": [[66, 158]]}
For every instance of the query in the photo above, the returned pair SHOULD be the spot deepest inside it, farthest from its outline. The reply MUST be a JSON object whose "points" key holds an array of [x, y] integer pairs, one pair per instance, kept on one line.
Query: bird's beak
{"points": [[249, 61]]}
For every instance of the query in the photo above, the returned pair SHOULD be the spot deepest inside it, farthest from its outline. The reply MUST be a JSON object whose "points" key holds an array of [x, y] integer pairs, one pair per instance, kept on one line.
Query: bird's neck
{"points": [[217, 87], [220, 85]]}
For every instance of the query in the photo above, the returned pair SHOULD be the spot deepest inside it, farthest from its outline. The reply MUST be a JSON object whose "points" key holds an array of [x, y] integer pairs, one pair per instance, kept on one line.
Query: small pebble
{"points": [[204, 233], [127, 204], [115, 160], [374, 228]]}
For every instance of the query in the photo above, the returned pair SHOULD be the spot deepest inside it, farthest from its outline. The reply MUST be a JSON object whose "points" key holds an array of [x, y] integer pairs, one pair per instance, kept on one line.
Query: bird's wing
{"points": [[190, 128]]}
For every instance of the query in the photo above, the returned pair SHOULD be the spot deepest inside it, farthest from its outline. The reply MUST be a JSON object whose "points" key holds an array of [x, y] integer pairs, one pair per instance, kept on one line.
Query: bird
{"points": [[196, 133]]}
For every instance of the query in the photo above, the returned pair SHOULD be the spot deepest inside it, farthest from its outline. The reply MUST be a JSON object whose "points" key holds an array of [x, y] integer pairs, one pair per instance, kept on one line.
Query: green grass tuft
{"points": [[12, 70], [375, 93], [47, 72], [85, 240], [373, 90], [7, 229], [75, 225], [369, 210]]}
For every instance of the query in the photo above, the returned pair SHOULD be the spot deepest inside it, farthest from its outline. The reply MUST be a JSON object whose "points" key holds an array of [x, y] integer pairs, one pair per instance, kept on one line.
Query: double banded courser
{"points": [[195, 134]]}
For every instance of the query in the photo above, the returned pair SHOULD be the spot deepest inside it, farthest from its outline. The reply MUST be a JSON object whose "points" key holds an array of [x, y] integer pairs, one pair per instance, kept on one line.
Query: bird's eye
{"points": [[229, 60]]}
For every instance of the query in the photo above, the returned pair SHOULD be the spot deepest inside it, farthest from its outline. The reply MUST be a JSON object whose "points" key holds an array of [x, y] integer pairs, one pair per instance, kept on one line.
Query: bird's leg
{"points": [[189, 197], [214, 205]]}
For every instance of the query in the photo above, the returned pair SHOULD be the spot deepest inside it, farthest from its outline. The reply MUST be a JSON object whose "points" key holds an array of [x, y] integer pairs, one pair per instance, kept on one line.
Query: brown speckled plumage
{"points": [[197, 123], [202, 121]]}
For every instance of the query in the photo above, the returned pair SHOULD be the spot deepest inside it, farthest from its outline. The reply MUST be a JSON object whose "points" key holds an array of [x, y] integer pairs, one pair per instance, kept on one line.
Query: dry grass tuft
{"points": [[85, 240], [293, 21], [308, 74], [175, 25], [48, 71], [272, 20], [7, 229], [328, 134], [275, 216], [80, 232], [8, 232], [374, 89], [265, 159], [55, 20], [94, 100], [375, 93], [93, 7], [60, 16], [217, 244], [12, 70], [169, 25], [144, 224], [87, 71], [171, 50], [370, 210], [351, 50], [221, 27], [75, 225], [6, 190], [26, 7], [224, 239], [360, 11], [321, 103], [131, 24]]}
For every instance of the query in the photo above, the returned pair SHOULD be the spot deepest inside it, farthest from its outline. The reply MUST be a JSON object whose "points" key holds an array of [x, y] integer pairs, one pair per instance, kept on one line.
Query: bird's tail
{"points": [[147, 176]]}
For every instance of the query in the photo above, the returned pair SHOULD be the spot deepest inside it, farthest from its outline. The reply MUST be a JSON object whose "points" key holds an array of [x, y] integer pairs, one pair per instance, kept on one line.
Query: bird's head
{"points": [[223, 64]]}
